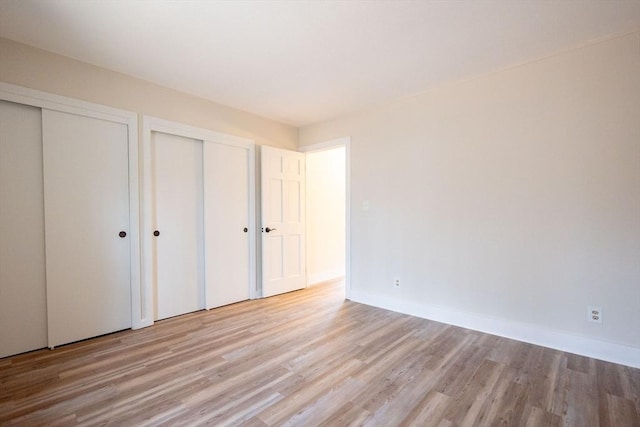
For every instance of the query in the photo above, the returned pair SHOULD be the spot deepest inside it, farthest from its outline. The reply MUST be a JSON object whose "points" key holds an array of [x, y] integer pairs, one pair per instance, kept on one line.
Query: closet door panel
{"points": [[23, 312], [226, 216], [178, 217], [86, 203]]}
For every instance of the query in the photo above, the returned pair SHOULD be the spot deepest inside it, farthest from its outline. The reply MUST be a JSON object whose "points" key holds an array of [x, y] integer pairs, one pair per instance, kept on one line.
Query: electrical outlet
{"points": [[396, 282], [594, 314]]}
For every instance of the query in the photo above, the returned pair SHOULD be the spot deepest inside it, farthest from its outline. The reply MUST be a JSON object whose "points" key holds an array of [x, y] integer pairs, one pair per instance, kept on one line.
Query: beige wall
{"points": [[510, 200], [37, 69]]}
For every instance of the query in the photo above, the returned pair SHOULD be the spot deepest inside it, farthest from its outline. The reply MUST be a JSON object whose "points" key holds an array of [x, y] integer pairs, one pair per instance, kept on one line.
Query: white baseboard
{"points": [[323, 276], [558, 340]]}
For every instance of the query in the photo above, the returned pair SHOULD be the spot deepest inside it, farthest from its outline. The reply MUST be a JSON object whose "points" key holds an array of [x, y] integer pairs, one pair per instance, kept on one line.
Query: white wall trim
{"points": [[153, 124], [36, 98], [327, 145], [520, 331], [174, 128], [253, 225]]}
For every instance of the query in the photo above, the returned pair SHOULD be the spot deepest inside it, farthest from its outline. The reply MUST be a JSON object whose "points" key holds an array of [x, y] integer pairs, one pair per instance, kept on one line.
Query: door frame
{"points": [[153, 124], [48, 101], [328, 145]]}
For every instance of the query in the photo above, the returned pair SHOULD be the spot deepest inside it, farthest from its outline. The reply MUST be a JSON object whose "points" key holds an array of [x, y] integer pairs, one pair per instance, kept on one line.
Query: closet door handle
{"points": [[122, 234], [245, 229], [156, 233], [269, 229]]}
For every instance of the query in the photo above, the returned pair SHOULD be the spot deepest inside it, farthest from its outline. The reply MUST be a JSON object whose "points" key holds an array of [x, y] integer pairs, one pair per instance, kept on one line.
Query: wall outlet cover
{"points": [[594, 314]]}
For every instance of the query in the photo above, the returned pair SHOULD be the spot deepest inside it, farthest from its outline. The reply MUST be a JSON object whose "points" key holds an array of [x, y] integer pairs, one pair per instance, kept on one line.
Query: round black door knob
{"points": [[245, 229], [122, 234], [156, 233]]}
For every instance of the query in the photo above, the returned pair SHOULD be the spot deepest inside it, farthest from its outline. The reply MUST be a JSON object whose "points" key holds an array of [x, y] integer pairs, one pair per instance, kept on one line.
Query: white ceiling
{"points": [[302, 62]]}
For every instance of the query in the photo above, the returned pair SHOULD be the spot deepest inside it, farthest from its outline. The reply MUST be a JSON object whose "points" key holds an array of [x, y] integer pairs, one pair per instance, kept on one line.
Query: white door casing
{"points": [[346, 143], [283, 220], [178, 220], [87, 232]]}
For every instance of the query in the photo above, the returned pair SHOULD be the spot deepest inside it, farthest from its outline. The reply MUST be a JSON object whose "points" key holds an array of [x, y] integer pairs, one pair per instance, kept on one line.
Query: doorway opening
{"points": [[327, 207]]}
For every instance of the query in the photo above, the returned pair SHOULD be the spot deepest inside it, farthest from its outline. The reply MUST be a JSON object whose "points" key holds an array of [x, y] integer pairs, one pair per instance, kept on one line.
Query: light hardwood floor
{"points": [[309, 358]]}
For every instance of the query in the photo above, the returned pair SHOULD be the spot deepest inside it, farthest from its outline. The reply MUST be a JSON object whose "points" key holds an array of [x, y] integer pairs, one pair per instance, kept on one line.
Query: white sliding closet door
{"points": [[86, 205], [226, 177], [178, 221], [23, 311]]}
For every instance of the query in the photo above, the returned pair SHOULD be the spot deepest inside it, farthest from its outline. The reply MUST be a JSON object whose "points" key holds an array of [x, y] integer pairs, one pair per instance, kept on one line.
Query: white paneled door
{"points": [[178, 224], [283, 221], [86, 205]]}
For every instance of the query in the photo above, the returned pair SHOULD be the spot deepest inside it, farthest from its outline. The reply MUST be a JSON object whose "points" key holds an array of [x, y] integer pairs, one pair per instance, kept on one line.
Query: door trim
{"points": [[153, 124], [44, 100], [327, 145]]}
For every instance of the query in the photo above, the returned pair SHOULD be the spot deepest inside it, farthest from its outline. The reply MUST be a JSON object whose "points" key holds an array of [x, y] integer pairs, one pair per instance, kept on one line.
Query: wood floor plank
{"points": [[306, 393], [347, 415], [620, 411], [310, 358], [536, 417], [430, 411], [583, 408], [475, 394]]}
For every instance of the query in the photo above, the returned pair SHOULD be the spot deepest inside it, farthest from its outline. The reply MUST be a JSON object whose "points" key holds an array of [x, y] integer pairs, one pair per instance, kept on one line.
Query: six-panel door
{"points": [[283, 221]]}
